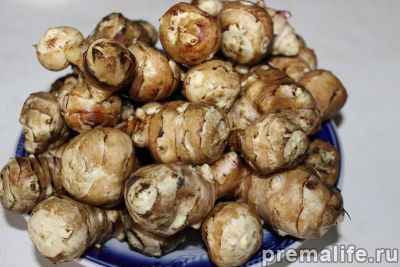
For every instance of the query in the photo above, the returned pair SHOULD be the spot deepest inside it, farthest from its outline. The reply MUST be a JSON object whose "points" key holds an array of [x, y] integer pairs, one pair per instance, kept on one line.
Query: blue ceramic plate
{"points": [[192, 253]]}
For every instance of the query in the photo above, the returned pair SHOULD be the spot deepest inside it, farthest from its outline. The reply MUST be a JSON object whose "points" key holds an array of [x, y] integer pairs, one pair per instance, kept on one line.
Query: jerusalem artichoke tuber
{"points": [[166, 198], [188, 34], [270, 143], [294, 202], [232, 233], [95, 165], [179, 131], [26, 181], [214, 82], [62, 229], [43, 125], [247, 32]]}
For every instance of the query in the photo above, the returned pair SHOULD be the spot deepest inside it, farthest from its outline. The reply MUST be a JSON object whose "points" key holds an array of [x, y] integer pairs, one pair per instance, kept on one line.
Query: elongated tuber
{"points": [[188, 34], [214, 82], [232, 233], [62, 229], [247, 32], [95, 165], [157, 76], [294, 202], [180, 131], [43, 125], [26, 181], [271, 143], [166, 198]]}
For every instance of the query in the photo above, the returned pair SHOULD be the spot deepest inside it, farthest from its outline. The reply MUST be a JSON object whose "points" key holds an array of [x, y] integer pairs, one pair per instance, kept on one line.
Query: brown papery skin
{"points": [[327, 90], [270, 143], [166, 198], [62, 229], [26, 181], [83, 110], [183, 132], [268, 90], [146, 242], [189, 35], [294, 202], [325, 159], [157, 76], [43, 125]]}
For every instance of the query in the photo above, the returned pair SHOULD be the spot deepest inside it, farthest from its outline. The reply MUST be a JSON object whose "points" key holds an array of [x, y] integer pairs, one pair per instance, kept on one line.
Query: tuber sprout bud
{"points": [[51, 47], [188, 34]]}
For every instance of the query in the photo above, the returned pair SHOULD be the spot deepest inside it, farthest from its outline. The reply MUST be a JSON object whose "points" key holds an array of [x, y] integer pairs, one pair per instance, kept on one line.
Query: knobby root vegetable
{"points": [[157, 76], [232, 233], [95, 165], [247, 32], [268, 90], [146, 242], [115, 26], [26, 181], [189, 35], [105, 63], [294, 202], [214, 82], [327, 90], [43, 125], [180, 131], [229, 170], [62, 229], [166, 198], [270, 143], [50, 49], [83, 110], [325, 159]]}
